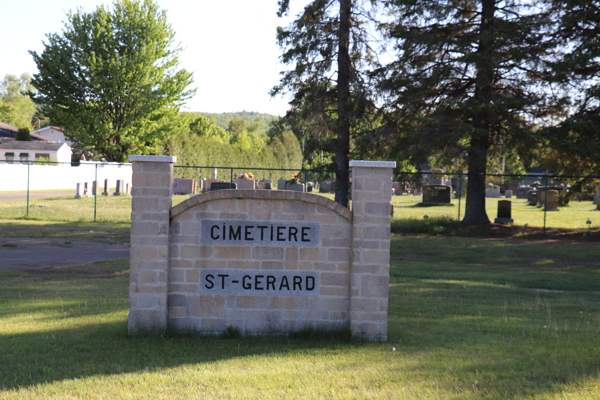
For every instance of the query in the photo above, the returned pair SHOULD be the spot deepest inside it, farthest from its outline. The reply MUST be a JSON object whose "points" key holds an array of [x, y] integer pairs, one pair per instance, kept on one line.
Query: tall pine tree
{"points": [[329, 45], [465, 80]]}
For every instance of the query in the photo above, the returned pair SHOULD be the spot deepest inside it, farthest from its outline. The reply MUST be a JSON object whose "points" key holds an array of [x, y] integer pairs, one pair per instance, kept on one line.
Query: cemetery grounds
{"points": [[468, 319]]}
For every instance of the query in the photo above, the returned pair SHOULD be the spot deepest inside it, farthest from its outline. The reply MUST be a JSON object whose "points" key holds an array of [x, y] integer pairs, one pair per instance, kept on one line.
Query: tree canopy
{"points": [[111, 79], [16, 108], [328, 44], [466, 81]]}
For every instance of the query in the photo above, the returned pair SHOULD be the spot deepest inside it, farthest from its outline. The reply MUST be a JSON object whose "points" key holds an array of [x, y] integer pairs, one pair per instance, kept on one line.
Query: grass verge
{"points": [[468, 319]]}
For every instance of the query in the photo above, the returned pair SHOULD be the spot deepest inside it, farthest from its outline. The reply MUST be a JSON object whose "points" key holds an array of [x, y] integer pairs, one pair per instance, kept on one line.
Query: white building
{"points": [[17, 151], [53, 133]]}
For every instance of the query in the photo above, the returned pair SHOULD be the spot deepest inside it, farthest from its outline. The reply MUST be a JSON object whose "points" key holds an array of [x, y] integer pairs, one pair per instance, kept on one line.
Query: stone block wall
{"points": [[260, 261], [149, 259], [329, 261]]}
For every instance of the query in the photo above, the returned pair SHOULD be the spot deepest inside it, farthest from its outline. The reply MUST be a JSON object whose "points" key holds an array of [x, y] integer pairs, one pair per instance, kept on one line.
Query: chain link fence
{"points": [[54, 191], [533, 200], [94, 191]]}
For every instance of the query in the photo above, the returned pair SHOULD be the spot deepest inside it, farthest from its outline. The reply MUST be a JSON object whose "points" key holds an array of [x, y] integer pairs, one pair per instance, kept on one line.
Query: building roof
{"points": [[41, 146], [9, 131], [56, 128]]}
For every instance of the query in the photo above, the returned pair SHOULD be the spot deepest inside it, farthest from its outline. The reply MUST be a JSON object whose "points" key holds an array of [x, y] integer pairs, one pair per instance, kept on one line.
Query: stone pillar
{"points": [[152, 187], [369, 274]]}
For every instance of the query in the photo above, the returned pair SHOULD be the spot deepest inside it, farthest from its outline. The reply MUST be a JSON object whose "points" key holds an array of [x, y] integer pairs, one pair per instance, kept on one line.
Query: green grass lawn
{"points": [[572, 216], [118, 209], [468, 319]]}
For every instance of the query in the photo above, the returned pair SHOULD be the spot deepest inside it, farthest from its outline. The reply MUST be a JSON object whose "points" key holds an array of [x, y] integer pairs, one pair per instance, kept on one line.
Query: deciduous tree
{"points": [[111, 78]]}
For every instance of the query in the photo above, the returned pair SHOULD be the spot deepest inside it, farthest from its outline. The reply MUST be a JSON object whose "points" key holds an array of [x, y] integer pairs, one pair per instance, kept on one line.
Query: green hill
{"points": [[251, 118]]}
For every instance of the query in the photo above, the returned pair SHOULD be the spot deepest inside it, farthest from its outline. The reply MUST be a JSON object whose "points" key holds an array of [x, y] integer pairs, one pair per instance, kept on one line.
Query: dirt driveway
{"points": [[27, 253]]}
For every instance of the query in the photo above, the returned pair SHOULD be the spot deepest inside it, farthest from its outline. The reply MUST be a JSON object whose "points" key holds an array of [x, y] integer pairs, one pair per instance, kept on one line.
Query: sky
{"points": [[229, 45]]}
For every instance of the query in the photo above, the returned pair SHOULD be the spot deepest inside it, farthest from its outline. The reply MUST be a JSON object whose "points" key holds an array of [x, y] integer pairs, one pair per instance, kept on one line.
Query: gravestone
{"points": [[552, 201], [504, 215], [297, 187], [206, 183], [128, 189], [245, 183], [492, 191], [78, 190], [106, 187], [542, 196], [511, 186], [437, 195], [596, 197], [522, 192], [397, 188], [94, 187], [222, 186], [281, 184], [532, 197], [508, 194], [326, 186], [184, 186], [120, 187]]}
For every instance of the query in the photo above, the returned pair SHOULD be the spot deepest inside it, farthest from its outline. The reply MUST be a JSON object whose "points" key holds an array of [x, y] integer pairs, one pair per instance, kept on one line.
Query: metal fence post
{"points": [[459, 198], [27, 202], [96, 192], [231, 175], [305, 180], [545, 202]]}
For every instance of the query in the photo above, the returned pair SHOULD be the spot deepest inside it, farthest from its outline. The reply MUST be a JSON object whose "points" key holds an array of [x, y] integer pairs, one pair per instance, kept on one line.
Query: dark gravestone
{"points": [[504, 212], [532, 197], [326, 187], [222, 185], [437, 195], [522, 192]]}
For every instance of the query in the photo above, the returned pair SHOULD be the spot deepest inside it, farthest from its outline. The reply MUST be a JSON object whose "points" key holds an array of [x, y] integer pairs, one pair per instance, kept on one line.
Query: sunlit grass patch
{"points": [[468, 319]]}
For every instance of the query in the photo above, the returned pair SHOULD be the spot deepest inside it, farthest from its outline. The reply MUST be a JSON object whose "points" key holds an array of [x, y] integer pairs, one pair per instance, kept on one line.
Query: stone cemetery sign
{"points": [[437, 195], [261, 261]]}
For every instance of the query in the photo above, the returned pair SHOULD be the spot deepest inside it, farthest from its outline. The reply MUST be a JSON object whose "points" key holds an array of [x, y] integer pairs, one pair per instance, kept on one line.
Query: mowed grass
{"points": [[118, 209], [468, 319], [573, 216]]}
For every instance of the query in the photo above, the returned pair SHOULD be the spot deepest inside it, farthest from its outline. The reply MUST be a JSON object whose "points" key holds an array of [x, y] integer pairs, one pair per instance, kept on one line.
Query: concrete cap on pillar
{"points": [[165, 159], [373, 164]]}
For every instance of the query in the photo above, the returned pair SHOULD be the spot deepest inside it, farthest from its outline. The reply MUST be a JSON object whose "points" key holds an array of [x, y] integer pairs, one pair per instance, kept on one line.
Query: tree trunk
{"points": [[343, 94], [475, 211], [480, 138]]}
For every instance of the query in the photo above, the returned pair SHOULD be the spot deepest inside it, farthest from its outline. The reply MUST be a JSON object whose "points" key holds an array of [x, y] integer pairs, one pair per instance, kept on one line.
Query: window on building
{"points": [[9, 157], [24, 157]]}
